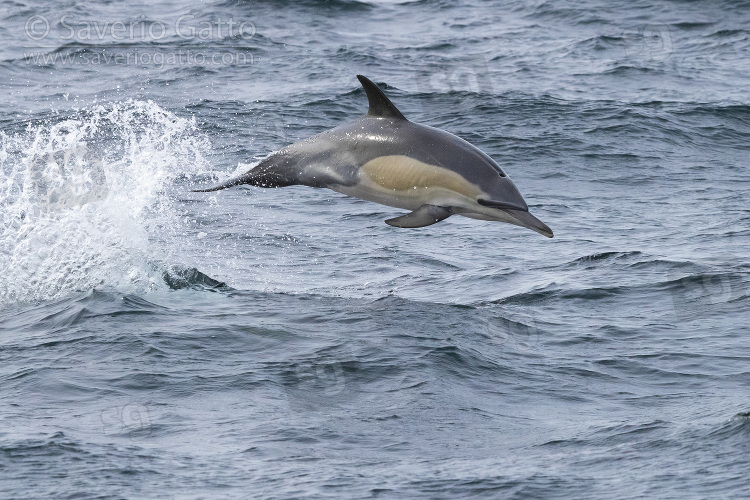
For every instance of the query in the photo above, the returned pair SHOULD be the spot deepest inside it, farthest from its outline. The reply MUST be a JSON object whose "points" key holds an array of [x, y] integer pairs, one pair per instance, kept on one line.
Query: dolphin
{"points": [[385, 158]]}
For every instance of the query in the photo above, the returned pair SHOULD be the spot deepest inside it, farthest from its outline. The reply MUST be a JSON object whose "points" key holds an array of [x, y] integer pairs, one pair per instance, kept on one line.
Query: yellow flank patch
{"points": [[401, 173]]}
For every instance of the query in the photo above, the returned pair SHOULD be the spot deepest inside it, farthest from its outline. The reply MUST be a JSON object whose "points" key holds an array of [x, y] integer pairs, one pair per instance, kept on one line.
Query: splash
{"points": [[83, 200]]}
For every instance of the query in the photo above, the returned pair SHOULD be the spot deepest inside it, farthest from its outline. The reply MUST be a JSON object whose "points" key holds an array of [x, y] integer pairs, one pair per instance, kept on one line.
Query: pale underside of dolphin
{"points": [[385, 158]]}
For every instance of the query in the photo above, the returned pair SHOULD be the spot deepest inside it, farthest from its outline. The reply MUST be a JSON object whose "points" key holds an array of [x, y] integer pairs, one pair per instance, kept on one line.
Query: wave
{"points": [[86, 196], [707, 288]]}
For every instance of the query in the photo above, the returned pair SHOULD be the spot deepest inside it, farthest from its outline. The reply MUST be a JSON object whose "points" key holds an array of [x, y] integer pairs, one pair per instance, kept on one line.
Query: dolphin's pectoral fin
{"points": [[426, 215]]}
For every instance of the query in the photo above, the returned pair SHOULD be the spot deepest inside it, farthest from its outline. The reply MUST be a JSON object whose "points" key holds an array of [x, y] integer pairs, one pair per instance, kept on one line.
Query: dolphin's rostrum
{"points": [[385, 158]]}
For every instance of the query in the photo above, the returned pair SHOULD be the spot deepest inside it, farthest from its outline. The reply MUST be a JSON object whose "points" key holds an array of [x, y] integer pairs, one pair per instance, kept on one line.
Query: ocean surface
{"points": [[286, 343]]}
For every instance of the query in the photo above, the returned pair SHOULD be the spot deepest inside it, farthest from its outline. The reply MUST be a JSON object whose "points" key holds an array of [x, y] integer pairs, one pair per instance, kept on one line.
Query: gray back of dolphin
{"points": [[384, 157]]}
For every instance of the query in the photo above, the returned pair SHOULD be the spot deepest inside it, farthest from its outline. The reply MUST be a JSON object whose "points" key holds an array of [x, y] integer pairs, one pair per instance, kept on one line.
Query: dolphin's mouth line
{"points": [[501, 205]]}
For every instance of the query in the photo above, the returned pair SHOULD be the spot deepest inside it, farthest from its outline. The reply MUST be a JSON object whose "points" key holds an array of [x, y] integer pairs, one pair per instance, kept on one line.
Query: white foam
{"points": [[82, 198]]}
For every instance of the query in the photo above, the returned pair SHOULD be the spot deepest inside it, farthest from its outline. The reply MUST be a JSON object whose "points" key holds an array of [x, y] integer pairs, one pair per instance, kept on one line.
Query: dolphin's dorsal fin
{"points": [[380, 105]]}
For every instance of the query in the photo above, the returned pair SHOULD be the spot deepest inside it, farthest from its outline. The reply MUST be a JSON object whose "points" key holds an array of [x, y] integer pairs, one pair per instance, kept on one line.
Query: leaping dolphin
{"points": [[385, 158]]}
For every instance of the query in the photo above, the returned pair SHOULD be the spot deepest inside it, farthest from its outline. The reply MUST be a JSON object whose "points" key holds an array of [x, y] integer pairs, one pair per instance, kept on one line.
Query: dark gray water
{"points": [[287, 343]]}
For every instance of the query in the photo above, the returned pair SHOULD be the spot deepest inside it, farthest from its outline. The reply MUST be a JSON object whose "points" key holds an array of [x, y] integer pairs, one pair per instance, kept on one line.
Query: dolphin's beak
{"points": [[531, 222]]}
